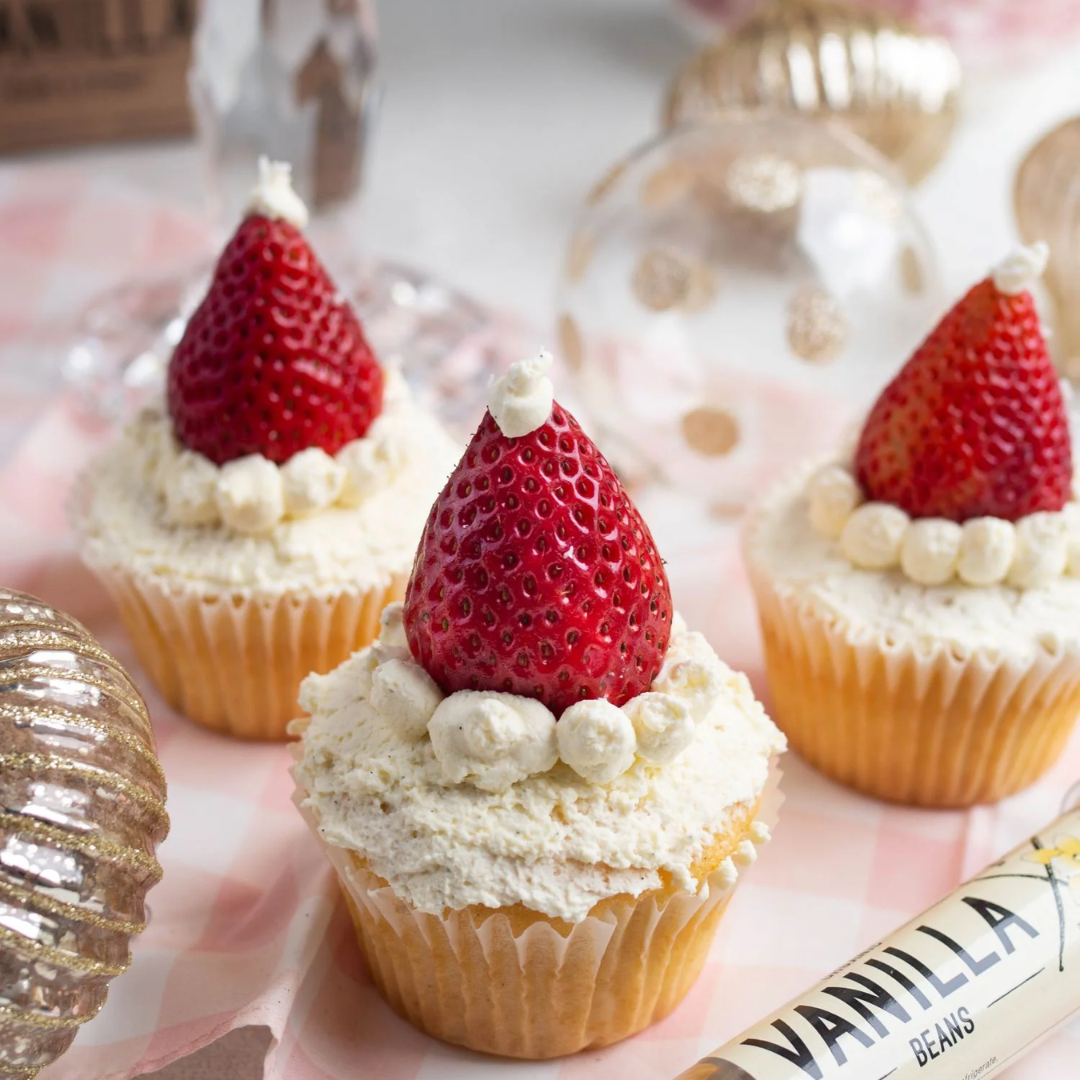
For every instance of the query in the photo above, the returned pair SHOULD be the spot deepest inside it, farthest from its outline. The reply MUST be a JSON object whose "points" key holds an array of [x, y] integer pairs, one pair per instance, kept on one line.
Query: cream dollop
{"points": [[189, 484], [521, 400], [273, 195], [930, 550], [405, 696], [1021, 268], [392, 626], [250, 495], [690, 672], [663, 725], [834, 496], [491, 739], [987, 546], [986, 551], [368, 660], [1042, 550], [373, 461], [311, 480], [872, 536], [597, 740]]}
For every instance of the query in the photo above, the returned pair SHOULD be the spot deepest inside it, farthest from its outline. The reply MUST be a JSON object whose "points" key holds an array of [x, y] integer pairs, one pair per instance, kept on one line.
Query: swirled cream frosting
{"points": [[1028, 553], [483, 798], [316, 523]]}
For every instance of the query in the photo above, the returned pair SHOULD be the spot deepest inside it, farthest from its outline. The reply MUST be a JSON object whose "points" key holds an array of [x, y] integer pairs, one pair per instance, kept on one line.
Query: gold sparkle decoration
{"points": [[763, 183], [882, 78], [670, 184], [877, 196], [911, 272], [570, 343], [76, 879], [665, 279], [817, 329], [606, 184], [1047, 203], [579, 256], [710, 431]]}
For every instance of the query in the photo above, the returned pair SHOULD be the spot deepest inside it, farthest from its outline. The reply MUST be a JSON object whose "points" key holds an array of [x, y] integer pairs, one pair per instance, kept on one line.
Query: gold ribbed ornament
{"points": [[890, 84], [83, 808], [1047, 199]]}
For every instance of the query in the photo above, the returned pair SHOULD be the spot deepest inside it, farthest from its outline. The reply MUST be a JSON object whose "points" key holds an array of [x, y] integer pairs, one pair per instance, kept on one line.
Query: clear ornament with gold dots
{"points": [[734, 294]]}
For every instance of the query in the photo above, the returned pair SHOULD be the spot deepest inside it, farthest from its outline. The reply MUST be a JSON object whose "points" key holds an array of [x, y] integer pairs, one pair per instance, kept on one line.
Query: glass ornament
{"points": [[734, 296], [83, 808], [444, 342], [891, 84], [987, 34], [291, 79], [1046, 201]]}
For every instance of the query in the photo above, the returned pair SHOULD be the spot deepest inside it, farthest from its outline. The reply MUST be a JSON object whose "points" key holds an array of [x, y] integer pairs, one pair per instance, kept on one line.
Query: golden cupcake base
{"points": [[520, 984], [930, 729], [235, 663]]}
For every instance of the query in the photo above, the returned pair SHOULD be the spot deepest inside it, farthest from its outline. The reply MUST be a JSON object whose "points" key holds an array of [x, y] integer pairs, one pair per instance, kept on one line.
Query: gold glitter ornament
{"points": [[1047, 202], [664, 280], [763, 183], [710, 432], [817, 328], [83, 800], [890, 84]]}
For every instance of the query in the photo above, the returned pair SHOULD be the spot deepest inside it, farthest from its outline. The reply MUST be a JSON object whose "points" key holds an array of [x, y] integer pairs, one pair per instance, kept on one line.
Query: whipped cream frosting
{"points": [[273, 195], [316, 524], [252, 494], [785, 544], [488, 810], [494, 739], [1029, 553], [1021, 268], [520, 401]]}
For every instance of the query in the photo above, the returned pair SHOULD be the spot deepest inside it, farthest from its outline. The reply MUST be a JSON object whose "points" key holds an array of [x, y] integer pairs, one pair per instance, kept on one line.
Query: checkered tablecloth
{"points": [[246, 927]]}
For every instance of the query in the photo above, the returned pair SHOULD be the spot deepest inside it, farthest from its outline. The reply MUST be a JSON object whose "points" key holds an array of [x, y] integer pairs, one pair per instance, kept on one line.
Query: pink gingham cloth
{"points": [[247, 927]]}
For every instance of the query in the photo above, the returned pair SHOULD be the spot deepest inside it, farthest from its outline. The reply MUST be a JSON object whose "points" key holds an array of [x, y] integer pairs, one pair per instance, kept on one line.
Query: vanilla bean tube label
{"points": [[960, 992]]}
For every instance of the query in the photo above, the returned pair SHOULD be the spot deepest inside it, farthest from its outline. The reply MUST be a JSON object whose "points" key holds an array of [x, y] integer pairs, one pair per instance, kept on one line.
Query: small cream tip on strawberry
{"points": [[1021, 268], [273, 196], [521, 400]]}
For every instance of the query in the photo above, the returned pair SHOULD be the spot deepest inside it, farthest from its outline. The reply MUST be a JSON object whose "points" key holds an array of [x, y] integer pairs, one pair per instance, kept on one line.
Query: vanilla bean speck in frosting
{"points": [[497, 804], [316, 523]]}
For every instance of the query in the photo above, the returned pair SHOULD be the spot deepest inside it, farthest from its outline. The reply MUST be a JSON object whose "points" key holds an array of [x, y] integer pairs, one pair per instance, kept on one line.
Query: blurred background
{"points": [[506, 173], [732, 220]]}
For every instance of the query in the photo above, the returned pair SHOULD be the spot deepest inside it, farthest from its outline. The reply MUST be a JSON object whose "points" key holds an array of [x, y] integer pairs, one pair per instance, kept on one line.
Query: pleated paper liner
{"points": [[923, 727], [514, 982], [234, 663]]}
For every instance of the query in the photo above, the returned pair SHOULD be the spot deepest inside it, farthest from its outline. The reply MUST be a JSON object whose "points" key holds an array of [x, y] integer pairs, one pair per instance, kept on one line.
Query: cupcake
{"points": [[253, 526], [920, 598], [538, 787]]}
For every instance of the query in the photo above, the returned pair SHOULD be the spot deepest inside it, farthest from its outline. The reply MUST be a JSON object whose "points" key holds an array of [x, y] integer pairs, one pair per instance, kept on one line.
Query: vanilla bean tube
{"points": [[958, 993]]}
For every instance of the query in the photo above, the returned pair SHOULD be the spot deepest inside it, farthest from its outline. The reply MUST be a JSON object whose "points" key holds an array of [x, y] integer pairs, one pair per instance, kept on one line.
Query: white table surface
{"points": [[500, 114]]}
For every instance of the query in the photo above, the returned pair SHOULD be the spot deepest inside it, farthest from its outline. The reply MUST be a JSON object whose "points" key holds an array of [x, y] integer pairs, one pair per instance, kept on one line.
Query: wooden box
{"points": [[79, 71]]}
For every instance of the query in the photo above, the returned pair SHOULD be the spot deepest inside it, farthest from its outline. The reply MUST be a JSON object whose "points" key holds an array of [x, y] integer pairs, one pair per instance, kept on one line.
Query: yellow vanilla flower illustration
{"points": [[1068, 868]]}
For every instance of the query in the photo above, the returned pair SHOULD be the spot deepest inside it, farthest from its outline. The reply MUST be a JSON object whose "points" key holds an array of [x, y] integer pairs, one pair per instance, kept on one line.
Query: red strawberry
{"points": [[273, 361], [536, 575], [974, 425]]}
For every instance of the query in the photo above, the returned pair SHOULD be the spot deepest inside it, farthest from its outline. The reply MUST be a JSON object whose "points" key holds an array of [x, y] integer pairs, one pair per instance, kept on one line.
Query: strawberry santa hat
{"points": [[535, 574], [974, 425], [273, 361]]}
